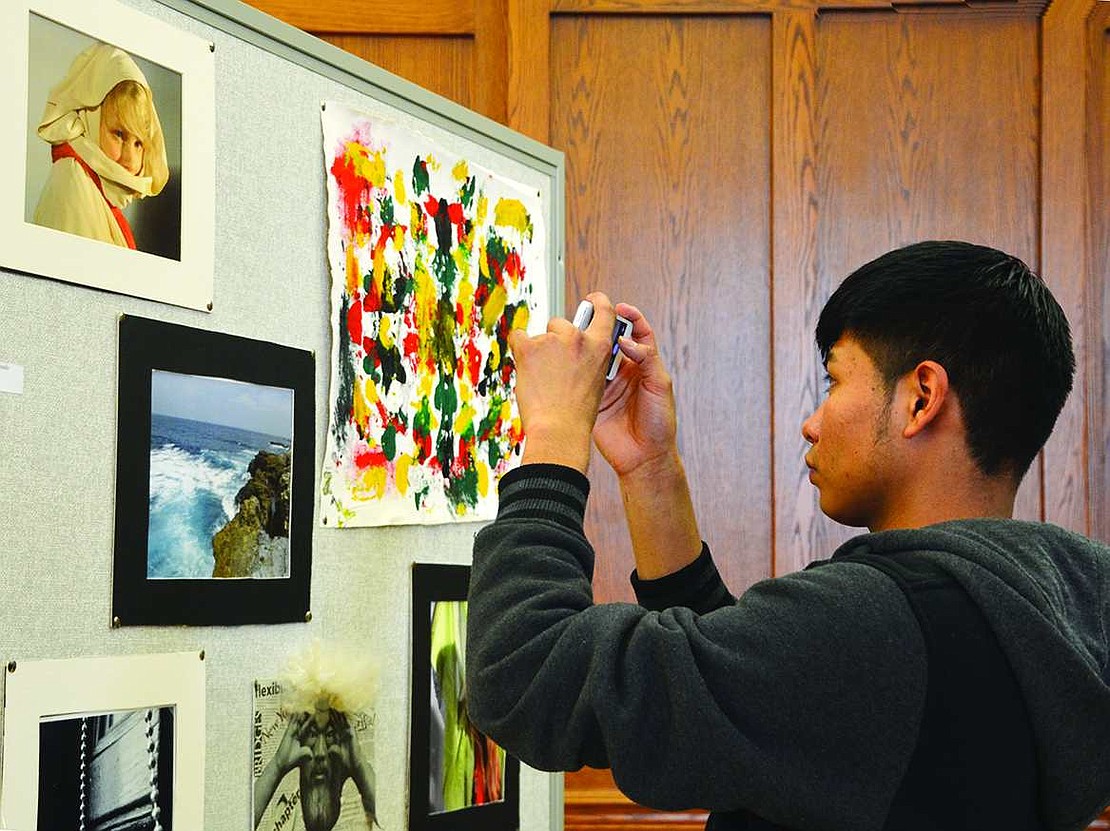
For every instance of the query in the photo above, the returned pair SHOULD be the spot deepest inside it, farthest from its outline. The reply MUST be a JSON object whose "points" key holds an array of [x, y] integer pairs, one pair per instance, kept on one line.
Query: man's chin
{"points": [[319, 804]]}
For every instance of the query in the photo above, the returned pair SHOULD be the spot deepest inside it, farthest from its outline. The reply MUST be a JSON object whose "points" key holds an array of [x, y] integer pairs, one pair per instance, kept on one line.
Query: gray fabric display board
{"points": [[270, 282]]}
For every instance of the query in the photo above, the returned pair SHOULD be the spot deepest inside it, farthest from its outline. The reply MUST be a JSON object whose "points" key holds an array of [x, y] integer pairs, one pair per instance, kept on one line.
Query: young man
{"points": [[948, 670]]}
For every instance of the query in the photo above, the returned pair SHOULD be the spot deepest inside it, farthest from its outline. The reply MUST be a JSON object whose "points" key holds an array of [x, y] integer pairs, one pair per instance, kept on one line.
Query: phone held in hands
{"points": [[622, 327]]}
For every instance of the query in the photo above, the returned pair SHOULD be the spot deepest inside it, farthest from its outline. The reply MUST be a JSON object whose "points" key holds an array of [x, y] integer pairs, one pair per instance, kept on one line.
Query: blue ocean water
{"points": [[196, 469]]}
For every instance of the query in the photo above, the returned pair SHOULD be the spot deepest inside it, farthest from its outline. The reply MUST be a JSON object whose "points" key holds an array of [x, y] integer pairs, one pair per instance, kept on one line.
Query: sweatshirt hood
{"points": [[1045, 593]]}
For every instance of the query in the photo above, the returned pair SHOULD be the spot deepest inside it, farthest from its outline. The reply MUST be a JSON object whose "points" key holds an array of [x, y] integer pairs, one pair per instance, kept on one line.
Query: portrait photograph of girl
{"points": [[103, 150]]}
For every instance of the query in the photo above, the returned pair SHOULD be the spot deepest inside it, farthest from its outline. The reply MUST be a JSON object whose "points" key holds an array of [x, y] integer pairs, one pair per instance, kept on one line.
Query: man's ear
{"points": [[926, 390]]}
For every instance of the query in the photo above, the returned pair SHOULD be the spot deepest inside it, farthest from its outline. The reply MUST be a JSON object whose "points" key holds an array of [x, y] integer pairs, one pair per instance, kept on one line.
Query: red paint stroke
{"points": [[369, 457], [431, 205], [354, 194], [471, 362], [455, 213], [514, 267], [354, 321]]}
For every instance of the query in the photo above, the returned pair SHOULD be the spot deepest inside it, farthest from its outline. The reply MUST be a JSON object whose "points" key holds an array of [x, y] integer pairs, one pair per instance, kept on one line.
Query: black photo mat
{"points": [[432, 584], [147, 347]]}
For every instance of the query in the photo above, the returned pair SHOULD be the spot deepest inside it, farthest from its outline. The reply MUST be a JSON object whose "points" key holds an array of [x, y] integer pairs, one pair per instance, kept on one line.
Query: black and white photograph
{"points": [[104, 770], [214, 485], [99, 743], [459, 778], [313, 765], [107, 187]]}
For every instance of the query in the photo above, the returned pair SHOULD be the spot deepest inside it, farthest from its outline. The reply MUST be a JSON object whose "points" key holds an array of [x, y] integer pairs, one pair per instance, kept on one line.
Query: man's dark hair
{"points": [[981, 314]]}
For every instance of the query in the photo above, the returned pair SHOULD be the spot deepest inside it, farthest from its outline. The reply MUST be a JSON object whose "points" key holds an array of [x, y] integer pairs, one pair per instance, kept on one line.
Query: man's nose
{"points": [[811, 427]]}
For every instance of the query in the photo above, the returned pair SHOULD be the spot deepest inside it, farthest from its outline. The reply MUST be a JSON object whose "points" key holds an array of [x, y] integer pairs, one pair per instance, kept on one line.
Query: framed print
{"points": [[313, 748], [459, 779], [214, 468], [110, 175], [92, 739], [435, 257]]}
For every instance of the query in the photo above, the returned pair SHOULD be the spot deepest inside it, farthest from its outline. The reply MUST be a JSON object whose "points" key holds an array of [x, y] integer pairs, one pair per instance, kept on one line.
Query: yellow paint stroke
{"points": [[464, 420], [399, 195], [370, 167], [401, 473], [461, 171], [461, 256], [426, 309], [432, 162], [352, 271], [424, 386], [378, 271], [483, 262], [494, 308], [365, 397], [385, 332], [494, 354], [466, 300], [399, 238], [483, 209], [511, 213], [466, 392], [483, 479], [506, 411], [520, 316], [370, 484]]}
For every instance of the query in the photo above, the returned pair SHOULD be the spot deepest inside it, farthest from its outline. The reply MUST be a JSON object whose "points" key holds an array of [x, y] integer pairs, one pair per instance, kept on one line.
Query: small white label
{"points": [[11, 380]]}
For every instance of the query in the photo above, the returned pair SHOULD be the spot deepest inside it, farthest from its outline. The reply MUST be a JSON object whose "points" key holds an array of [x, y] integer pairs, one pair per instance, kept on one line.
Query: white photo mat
{"points": [[50, 253], [40, 689]]}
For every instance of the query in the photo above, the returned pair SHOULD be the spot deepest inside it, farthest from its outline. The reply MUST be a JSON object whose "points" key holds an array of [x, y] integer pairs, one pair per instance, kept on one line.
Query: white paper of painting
{"points": [[433, 258], [38, 40], [43, 689], [284, 809]]}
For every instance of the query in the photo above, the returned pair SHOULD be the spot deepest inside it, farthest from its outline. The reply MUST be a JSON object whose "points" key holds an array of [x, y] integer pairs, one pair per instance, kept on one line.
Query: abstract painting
{"points": [[434, 260]]}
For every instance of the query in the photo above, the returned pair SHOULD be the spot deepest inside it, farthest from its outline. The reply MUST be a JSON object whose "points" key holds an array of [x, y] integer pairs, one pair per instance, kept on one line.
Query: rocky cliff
{"points": [[255, 542]]}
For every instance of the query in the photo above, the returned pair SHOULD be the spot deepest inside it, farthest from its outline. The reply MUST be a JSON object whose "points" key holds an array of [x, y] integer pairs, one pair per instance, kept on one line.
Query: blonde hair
{"points": [[329, 677], [132, 107]]}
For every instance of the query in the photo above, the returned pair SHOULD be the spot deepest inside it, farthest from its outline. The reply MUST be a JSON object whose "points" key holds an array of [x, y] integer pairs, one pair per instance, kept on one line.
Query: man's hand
{"points": [[559, 383], [636, 424], [292, 751], [347, 755]]}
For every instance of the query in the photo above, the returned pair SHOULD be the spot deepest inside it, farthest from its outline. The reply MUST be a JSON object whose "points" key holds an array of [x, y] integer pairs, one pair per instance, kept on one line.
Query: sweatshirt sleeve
{"points": [[799, 702]]}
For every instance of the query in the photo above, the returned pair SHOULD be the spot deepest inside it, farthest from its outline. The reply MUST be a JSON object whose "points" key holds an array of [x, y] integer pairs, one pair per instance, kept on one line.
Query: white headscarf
{"points": [[72, 115]]}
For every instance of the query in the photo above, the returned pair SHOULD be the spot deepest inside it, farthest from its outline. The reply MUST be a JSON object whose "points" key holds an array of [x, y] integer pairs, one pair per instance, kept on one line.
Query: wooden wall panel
{"points": [[667, 143], [926, 128], [443, 65], [457, 50], [1098, 354]]}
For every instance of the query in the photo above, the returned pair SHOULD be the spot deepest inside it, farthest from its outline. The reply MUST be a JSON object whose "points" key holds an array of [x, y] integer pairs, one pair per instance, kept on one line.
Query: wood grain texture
{"points": [[529, 68], [802, 532], [441, 17], [593, 803], [1098, 353], [1097, 300], [928, 129], [491, 60], [666, 137], [442, 65], [1064, 244], [1024, 8]]}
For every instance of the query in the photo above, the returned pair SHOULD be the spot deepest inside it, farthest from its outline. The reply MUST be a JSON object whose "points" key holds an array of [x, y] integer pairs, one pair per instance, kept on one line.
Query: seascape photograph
{"points": [[220, 462]]}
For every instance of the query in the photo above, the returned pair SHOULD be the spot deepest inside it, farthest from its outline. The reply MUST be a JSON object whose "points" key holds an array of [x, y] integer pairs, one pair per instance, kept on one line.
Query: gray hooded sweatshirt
{"points": [[800, 702]]}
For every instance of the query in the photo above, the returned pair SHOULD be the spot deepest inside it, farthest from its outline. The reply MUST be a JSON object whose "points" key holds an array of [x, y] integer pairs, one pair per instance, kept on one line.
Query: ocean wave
{"points": [[192, 496]]}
